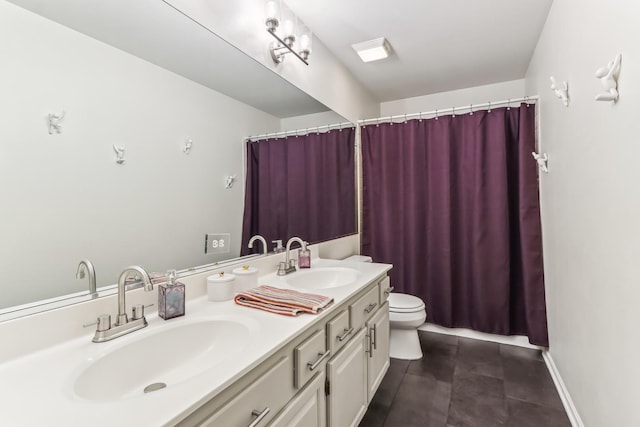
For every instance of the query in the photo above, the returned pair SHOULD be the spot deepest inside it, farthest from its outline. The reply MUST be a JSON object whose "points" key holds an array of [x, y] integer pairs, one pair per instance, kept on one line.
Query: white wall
{"points": [[591, 206], [456, 98], [63, 193]]}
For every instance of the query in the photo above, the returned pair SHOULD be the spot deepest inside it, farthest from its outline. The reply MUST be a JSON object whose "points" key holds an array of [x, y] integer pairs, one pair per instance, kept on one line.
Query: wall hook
{"points": [[542, 159], [55, 121], [561, 90], [119, 153], [187, 146], [609, 79], [229, 180]]}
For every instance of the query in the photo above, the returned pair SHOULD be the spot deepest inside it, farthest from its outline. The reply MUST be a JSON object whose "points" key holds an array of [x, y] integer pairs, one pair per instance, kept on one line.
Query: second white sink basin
{"points": [[323, 278], [161, 359]]}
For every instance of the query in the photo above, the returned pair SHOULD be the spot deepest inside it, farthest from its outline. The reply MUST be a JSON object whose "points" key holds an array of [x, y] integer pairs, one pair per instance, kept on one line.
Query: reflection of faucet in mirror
{"points": [[289, 265], [86, 267], [123, 325], [258, 237]]}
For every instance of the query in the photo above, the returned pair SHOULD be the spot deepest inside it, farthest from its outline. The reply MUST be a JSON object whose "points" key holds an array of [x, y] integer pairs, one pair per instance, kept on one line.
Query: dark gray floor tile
{"points": [[512, 351], [479, 357], [524, 414], [481, 411], [530, 382], [439, 356], [391, 382], [477, 401], [375, 416], [420, 402], [467, 385]]}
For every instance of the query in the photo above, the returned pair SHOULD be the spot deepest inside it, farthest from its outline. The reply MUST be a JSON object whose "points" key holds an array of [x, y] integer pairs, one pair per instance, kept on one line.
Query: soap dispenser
{"points": [[277, 246], [304, 256], [171, 297]]}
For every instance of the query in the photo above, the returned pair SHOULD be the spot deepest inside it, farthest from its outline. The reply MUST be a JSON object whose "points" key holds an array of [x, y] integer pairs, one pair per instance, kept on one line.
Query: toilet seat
{"points": [[404, 303]]}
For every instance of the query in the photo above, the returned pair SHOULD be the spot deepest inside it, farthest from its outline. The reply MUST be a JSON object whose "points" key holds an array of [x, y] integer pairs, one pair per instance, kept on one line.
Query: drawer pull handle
{"points": [[260, 415], [322, 356], [375, 337], [370, 307], [370, 351], [345, 334], [389, 290]]}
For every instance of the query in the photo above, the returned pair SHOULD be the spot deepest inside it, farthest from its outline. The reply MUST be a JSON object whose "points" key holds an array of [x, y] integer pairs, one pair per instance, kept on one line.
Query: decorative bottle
{"points": [[171, 297], [304, 257]]}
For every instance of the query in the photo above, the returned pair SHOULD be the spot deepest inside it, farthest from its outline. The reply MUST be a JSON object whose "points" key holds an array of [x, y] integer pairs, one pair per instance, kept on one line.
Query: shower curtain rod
{"points": [[464, 109], [299, 132]]}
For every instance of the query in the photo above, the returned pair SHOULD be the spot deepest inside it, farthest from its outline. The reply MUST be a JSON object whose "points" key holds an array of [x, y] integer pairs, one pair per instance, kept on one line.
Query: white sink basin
{"points": [[161, 359], [323, 278]]}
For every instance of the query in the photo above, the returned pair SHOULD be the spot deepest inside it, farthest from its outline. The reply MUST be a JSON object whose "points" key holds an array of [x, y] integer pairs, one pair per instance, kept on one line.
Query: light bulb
{"points": [[271, 9]]}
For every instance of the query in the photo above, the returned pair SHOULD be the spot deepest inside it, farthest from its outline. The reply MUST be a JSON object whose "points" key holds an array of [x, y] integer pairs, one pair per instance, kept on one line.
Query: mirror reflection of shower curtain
{"points": [[301, 186], [453, 204]]}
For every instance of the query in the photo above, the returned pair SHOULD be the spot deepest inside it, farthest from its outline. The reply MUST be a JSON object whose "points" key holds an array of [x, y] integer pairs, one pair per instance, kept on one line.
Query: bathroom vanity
{"points": [[221, 364]]}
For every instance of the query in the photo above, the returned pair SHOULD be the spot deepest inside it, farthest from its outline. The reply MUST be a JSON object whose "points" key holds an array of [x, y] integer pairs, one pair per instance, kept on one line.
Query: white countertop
{"points": [[37, 389]]}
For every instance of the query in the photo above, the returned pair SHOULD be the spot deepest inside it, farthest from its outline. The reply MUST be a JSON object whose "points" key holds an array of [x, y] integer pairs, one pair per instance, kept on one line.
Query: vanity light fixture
{"points": [[373, 50], [291, 37]]}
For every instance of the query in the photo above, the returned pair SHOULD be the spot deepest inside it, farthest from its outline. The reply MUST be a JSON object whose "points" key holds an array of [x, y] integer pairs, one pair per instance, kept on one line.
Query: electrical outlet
{"points": [[218, 243]]}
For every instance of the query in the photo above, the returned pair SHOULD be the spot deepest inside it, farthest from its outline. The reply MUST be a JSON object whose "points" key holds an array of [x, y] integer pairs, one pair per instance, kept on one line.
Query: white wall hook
{"points": [[561, 90], [55, 121], [609, 78], [542, 161], [119, 153], [187, 146], [229, 180]]}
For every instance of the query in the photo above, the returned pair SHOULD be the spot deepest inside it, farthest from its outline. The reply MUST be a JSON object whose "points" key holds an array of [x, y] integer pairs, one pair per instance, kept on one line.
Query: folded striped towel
{"points": [[282, 301]]}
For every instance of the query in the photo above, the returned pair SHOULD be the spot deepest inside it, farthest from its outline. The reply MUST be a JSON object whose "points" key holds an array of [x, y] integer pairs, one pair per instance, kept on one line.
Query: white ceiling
{"points": [[439, 45]]}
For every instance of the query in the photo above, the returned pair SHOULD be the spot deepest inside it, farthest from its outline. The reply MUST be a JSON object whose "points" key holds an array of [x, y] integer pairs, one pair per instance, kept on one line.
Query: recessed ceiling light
{"points": [[373, 50]]}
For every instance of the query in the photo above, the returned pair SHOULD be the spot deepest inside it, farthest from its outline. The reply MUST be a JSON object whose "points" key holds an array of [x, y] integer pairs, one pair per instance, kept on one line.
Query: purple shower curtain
{"points": [[453, 204], [301, 186]]}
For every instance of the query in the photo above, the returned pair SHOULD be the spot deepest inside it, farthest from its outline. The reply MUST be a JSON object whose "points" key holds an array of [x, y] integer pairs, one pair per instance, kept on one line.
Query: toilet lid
{"points": [[403, 303]]}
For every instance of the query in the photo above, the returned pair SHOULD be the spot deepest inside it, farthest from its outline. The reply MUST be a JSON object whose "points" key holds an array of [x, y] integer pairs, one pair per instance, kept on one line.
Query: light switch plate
{"points": [[218, 243]]}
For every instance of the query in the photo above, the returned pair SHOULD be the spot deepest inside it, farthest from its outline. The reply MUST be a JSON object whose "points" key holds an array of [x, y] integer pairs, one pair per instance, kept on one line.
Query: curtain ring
{"points": [[471, 109], [453, 112], [340, 127], [436, 114], [377, 122], [420, 117], [489, 109], [526, 101], [508, 104]]}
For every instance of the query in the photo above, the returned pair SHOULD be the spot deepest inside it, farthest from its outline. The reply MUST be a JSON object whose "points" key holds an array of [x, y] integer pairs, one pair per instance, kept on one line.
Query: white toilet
{"points": [[406, 314]]}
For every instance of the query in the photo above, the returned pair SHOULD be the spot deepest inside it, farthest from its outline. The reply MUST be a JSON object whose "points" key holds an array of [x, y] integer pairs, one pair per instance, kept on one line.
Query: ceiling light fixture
{"points": [[291, 37], [373, 50]]}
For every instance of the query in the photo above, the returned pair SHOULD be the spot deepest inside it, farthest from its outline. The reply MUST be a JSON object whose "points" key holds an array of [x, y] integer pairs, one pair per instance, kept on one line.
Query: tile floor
{"points": [[461, 382]]}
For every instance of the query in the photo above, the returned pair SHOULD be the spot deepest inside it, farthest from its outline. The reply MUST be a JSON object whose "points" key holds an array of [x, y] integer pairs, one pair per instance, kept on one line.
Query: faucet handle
{"points": [[137, 312], [103, 321]]}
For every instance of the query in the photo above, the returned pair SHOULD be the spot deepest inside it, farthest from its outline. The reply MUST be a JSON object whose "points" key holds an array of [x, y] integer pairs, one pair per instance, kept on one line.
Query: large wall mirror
{"points": [[81, 80]]}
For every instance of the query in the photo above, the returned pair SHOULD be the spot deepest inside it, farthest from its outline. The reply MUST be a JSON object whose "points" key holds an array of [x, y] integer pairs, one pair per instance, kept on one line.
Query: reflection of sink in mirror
{"points": [[323, 278], [169, 356]]}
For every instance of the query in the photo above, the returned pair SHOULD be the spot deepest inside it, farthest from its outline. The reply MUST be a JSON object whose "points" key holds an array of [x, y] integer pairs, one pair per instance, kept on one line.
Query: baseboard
{"points": [[567, 402], [520, 341]]}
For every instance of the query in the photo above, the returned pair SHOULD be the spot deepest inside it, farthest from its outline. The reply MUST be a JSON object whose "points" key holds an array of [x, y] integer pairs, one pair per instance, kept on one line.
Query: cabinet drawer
{"points": [[264, 398], [338, 332], [308, 358], [361, 310], [385, 289]]}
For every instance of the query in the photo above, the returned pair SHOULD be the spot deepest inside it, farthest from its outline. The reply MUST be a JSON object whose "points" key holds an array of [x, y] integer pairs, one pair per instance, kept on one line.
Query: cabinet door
{"points": [[307, 409], [378, 349], [347, 390]]}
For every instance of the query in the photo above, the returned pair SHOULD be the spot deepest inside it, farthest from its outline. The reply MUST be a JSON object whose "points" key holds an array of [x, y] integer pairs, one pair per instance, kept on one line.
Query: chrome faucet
{"points": [[289, 265], [86, 267], [123, 325], [262, 239]]}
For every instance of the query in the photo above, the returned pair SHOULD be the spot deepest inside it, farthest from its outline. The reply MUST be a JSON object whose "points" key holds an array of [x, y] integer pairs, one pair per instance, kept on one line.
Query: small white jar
{"points": [[246, 278], [220, 287]]}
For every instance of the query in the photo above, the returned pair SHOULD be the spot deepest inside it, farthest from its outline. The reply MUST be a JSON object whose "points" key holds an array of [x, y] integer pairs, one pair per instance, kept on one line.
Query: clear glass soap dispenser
{"points": [[171, 297]]}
